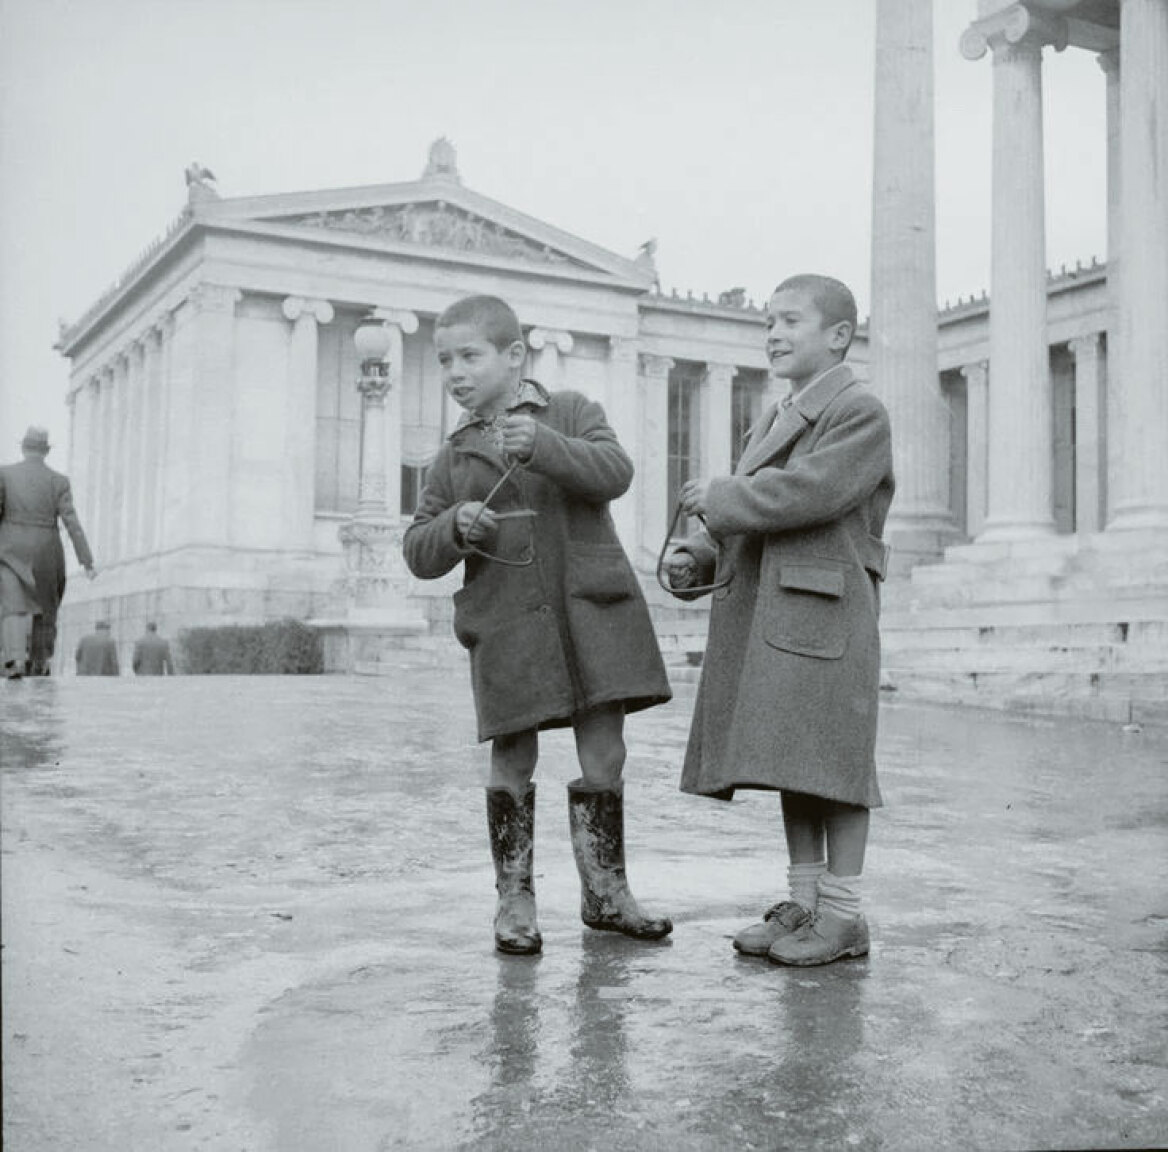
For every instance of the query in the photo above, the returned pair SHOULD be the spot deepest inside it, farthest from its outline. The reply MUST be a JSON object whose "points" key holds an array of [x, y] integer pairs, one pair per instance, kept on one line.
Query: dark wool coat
{"points": [[572, 630], [97, 655], [32, 499], [791, 675], [152, 656]]}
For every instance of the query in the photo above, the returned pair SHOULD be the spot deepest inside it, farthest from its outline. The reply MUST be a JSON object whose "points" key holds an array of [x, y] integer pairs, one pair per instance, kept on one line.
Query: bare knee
{"points": [[513, 760], [600, 745]]}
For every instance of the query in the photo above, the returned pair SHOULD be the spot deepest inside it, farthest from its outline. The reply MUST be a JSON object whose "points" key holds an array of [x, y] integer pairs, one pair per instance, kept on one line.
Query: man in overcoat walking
{"points": [[152, 654], [97, 654], [32, 562]]}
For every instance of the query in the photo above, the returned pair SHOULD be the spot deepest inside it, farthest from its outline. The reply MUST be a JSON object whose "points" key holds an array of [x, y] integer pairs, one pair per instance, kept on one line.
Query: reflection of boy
{"points": [[790, 681], [550, 609]]}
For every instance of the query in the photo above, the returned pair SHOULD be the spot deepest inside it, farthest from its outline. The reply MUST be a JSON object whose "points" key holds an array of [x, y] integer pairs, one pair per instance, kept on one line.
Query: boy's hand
{"points": [[518, 431], [464, 518], [682, 570], [693, 496]]}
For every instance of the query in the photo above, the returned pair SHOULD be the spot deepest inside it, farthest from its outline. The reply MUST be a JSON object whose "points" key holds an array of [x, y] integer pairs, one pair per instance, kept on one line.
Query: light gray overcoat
{"points": [[790, 680]]}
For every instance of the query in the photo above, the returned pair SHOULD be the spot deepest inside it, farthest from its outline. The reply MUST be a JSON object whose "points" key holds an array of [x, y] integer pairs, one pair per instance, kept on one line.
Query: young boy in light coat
{"points": [[790, 679]]}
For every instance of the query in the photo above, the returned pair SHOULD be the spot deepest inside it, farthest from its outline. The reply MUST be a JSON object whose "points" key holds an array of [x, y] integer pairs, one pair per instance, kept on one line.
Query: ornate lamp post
{"points": [[375, 577]]}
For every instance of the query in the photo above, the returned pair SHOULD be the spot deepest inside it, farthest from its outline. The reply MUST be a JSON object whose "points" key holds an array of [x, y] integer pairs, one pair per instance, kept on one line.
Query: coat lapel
{"points": [[794, 420]]}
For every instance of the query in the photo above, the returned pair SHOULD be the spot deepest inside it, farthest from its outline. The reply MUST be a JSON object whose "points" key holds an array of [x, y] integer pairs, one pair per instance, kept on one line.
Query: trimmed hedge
{"points": [[278, 648]]}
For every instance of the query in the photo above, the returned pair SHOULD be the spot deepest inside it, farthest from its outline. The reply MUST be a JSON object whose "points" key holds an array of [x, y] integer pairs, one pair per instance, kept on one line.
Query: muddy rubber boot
{"points": [[512, 824], [596, 820]]}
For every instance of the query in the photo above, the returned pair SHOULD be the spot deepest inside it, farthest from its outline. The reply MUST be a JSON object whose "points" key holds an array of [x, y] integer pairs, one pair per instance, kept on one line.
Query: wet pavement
{"points": [[255, 914]]}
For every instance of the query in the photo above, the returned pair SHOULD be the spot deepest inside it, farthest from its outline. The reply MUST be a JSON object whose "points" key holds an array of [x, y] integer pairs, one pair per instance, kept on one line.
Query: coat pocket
{"points": [[808, 614], [599, 573]]}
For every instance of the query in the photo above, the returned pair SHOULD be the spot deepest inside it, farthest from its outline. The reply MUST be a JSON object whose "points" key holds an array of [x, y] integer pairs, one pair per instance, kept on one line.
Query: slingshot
{"points": [[696, 589], [517, 514]]}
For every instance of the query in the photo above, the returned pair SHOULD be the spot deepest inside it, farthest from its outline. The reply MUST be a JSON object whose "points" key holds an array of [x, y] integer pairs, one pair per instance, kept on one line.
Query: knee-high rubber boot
{"points": [[597, 823], [512, 826]]}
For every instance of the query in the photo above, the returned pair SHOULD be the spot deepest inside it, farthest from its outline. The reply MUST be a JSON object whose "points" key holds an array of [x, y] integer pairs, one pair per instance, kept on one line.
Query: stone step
{"points": [[1029, 658], [1119, 697], [899, 636]]}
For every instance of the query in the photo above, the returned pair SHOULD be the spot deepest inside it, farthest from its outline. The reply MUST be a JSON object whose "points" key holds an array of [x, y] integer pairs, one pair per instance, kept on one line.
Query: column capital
{"points": [[215, 297], [541, 337], [1085, 345], [623, 349], [1109, 62], [162, 328], [977, 373], [1017, 26], [296, 307], [400, 317], [720, 373], [656, 366]]}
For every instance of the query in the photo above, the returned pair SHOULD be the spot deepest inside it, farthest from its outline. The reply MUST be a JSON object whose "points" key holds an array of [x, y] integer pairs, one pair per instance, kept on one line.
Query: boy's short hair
{"points": [[493, 317], [833, 298]]}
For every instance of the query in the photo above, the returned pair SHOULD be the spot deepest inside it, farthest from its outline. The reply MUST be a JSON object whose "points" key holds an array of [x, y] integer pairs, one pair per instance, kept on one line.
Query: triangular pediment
{"points": [[435, 224], [435, 217]]}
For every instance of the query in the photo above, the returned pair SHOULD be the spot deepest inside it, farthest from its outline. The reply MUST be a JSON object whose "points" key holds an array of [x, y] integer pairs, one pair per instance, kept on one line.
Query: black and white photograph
{"points": [[635, 535]]}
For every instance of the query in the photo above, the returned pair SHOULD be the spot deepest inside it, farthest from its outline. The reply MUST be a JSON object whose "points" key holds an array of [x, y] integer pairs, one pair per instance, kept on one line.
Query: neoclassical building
{"points": [[229, 467]]}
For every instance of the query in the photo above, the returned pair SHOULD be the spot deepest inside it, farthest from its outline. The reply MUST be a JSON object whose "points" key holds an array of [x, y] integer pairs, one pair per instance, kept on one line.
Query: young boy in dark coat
{"points": [[550, 610], [790, 680]]}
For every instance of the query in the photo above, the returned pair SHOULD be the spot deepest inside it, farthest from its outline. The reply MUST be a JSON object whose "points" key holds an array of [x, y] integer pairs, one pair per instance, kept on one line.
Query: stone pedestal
{"points": [[375, 586]]}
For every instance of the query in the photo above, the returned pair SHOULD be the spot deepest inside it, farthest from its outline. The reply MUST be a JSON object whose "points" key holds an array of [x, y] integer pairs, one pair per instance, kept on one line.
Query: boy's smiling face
{"points": [[799, 343], [478, 376]]}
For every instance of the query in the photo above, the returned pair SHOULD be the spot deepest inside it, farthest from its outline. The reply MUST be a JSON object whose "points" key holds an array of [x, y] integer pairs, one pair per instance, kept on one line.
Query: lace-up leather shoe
{"points": [[821, 940], [778, 921]]}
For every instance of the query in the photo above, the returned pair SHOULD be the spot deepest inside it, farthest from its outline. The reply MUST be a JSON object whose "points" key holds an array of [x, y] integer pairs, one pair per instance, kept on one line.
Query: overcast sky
{"points": [[738, 134]]}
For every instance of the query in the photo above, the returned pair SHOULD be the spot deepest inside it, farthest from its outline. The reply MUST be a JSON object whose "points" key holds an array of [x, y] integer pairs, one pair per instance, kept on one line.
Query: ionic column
{"points": [[388, 412], [119, 446], [1138, 432], [1021, 437], [135, 449], [163, 495], [152, 434], [300, 418], [903, 324], [1109, 62], [655, 498], [213, 381], [1089, 454], [976, 444], [98, 465], [621, 407], [716, 407], [80, 435], [549, 344]]}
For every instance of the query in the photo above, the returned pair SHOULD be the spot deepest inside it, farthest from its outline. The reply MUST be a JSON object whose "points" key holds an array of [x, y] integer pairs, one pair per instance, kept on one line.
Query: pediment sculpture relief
{"points": [[435, 225]]}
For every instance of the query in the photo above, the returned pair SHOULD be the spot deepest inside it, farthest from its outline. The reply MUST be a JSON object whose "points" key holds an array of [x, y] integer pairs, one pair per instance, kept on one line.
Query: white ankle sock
{"points": [[840, 895], [802, 880]]}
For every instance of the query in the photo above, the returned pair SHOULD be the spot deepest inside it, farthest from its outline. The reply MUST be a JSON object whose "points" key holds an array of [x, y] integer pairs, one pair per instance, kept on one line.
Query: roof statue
{"points": [[443, 162], [646, 260], [733, 297], [200, 183]]}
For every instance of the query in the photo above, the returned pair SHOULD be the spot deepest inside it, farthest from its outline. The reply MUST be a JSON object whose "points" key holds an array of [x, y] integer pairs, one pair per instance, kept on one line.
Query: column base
{"points": [[1009, 533], [915, 542], [1138, 519]]}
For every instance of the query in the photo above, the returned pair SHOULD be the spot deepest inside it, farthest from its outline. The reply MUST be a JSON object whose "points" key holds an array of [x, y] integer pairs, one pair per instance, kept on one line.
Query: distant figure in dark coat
{"points": [[97, 654], [152, 654], [32, 562]]}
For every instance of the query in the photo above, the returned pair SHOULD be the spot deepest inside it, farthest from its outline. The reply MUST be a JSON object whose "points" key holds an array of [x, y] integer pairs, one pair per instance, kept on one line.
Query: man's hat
{"points": [[36, 438]]}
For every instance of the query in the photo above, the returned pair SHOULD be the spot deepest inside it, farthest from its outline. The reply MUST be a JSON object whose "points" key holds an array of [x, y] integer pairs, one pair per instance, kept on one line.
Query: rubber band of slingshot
{"points": [[505, 515], [696, 589]]}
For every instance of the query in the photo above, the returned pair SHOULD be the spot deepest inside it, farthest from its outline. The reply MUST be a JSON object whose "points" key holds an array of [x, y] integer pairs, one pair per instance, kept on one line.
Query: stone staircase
{"points": [[1065, 625], [1073, 626]]}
